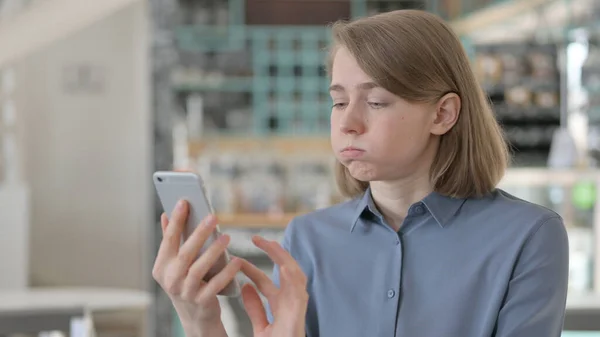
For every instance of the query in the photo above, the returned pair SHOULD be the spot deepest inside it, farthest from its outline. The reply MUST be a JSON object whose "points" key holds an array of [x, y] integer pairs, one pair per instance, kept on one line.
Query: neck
{"points": [[394, 198]]}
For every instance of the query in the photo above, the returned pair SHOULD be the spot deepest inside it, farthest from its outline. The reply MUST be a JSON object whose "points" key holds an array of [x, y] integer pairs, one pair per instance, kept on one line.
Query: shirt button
{"points": [[391, 293], [419, 209]]}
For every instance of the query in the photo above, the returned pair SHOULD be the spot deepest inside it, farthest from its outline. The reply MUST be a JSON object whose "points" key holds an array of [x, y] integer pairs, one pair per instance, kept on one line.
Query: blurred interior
{"points": [[97, 95]]}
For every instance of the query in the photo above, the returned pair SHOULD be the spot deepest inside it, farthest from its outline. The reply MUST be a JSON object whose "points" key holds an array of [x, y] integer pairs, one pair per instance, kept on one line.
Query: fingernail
{"points": [[180, 205], [223, 238]]}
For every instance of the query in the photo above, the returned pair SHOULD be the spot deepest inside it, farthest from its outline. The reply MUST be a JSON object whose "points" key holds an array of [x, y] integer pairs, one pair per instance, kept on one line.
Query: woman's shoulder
{"points": [[505, 209], [502, 200]]}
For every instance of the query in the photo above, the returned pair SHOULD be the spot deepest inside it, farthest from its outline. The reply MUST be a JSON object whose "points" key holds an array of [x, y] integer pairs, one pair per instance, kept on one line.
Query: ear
{"points": [[447, 111]]}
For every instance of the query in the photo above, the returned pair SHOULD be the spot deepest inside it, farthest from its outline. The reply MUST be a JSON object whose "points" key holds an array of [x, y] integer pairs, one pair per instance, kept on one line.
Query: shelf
{"points": [[514, 177], [255, 221], [518, 20], [219, 84], [494, 14], [321, 145], [525, 176], [544, 176], [286, 145], [531, 85]]}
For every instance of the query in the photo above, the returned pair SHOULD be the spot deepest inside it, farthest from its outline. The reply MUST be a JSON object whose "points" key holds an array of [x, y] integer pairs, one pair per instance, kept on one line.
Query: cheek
{"points": [[333, 120], [403, 136], [396, 129], [333, 125]]}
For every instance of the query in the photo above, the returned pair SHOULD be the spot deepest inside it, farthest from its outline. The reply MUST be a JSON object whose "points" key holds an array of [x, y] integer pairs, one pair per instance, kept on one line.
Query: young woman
{"points": [[426, 246]]}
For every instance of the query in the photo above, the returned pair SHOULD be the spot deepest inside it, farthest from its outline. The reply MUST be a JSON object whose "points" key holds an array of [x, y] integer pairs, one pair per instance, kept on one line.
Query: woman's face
{"points": [[377, 135]]}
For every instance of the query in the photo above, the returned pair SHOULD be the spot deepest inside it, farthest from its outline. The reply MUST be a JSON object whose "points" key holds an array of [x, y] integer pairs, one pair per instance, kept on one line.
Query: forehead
{"points": [[346, 71]]}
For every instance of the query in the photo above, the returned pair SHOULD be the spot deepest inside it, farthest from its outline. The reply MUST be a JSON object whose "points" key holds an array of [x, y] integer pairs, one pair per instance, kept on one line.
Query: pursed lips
{"points": [[352, 152]]}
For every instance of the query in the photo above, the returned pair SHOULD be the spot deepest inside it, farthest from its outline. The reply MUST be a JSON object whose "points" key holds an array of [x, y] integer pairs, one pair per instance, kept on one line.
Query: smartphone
{"points": [[174, 186]]}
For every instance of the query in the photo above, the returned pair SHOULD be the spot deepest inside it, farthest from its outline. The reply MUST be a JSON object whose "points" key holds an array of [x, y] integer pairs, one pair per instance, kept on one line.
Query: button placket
{"points": [[392, 292]]}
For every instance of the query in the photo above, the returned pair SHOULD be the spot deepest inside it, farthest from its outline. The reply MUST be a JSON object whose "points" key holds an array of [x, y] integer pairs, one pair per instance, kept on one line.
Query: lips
{"points": [[352, 148], [351, 152]]}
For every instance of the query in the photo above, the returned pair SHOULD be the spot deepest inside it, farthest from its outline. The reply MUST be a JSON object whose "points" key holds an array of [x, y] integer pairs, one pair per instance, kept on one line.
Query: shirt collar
{"points": [[363, 204], [441, 207]]}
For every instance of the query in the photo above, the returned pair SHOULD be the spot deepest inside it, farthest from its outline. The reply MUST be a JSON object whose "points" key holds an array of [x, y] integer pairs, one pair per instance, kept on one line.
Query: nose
{"points": [[352, 121]]}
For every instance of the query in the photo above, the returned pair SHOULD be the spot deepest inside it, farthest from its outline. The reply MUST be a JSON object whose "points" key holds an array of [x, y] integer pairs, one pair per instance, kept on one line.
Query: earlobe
{"points": [[446, 114]]}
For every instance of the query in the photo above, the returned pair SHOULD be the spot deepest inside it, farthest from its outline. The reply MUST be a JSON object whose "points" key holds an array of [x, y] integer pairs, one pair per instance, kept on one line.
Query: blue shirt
{"points": [[493, 266]]}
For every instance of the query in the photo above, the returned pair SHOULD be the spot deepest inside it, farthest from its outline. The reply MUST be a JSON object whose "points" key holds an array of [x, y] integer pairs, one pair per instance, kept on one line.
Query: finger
{"points": [[160, 257], [289, 281], [295, 275], [284, 279], [254, 308], [274, 250], [164, 221], [191, 287], [294, 292], [260, 279], [279, 255], [206, 261], [220, 281], [170, 242], [175, 227], [190, 248]]}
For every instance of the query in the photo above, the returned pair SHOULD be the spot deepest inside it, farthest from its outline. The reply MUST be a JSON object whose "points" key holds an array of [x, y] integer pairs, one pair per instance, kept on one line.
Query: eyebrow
{"points": [[362, 86]]}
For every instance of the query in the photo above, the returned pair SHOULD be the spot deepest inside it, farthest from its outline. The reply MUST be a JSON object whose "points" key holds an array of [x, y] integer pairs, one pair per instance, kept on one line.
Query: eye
{"points": [[377, 105], [339, 105]]}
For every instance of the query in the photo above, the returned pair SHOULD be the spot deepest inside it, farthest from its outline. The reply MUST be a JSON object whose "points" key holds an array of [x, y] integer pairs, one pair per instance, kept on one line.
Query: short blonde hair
{"points": [[417, 56]]}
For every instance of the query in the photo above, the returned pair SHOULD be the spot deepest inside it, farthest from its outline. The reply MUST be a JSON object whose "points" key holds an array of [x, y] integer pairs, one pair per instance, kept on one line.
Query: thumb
{"points": [[254, 308]]}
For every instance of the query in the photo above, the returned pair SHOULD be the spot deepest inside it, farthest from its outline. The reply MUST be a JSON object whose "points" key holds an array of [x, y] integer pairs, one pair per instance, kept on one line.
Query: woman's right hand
{"points": [[181, 275], [288, 301]]}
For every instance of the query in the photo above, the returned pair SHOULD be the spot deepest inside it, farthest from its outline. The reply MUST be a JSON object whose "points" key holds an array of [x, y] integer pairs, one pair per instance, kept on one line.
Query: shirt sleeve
{"points": [[535, 302]]}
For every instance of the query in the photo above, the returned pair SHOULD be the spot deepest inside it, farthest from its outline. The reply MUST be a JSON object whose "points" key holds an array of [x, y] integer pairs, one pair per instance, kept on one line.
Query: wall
{"points": [[88, 154]]}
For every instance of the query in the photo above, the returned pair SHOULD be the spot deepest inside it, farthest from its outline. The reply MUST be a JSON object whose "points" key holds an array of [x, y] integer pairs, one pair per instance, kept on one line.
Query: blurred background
{"points": [[96, 95]]}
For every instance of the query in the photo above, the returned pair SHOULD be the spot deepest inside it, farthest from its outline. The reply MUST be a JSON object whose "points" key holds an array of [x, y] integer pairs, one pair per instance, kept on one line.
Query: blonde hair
{"points": [[417, 56]]}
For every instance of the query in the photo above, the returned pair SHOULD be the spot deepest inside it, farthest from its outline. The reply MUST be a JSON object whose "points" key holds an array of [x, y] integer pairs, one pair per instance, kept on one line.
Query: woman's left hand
{"points": [[288, 303]]}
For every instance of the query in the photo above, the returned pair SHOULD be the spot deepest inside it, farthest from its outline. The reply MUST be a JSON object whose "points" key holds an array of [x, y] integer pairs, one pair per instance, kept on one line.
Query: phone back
{"points": [[174, 186]]}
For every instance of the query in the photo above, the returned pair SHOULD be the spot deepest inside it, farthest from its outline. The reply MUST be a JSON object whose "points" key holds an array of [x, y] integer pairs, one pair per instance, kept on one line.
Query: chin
{"points": [[362, 171]]}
